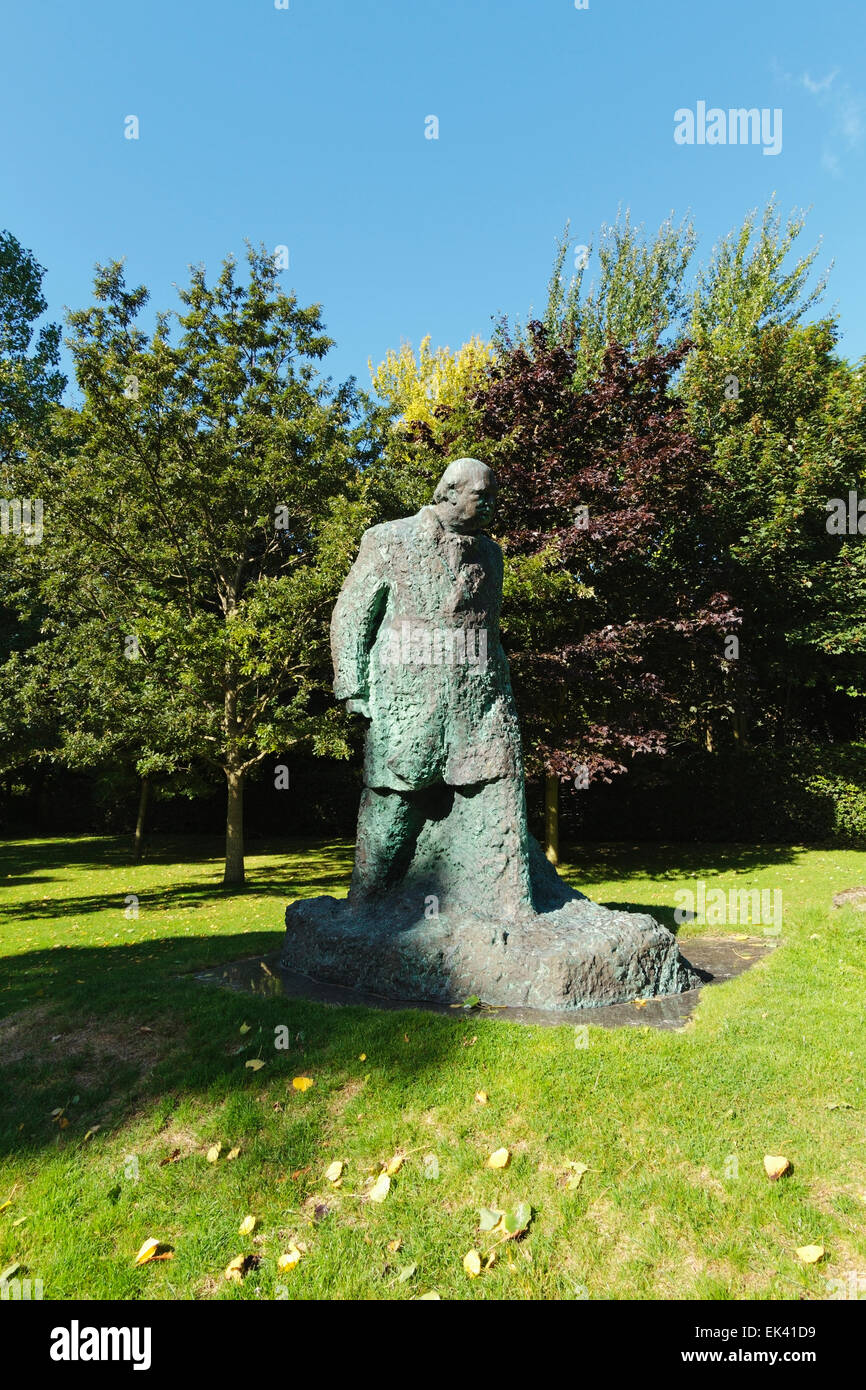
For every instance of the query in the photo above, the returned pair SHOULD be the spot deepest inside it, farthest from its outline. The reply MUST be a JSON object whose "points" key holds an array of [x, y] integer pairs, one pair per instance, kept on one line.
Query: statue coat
{"points": [[415, 632]]}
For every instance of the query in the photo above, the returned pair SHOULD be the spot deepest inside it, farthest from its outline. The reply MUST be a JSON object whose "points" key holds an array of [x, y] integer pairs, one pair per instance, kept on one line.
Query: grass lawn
{"points": [[99, 1021]]}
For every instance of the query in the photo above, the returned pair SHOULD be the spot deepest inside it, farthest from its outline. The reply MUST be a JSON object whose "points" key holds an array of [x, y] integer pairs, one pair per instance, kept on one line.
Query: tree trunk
{"points": [[143, 800], [551, 817], [234, 870]]}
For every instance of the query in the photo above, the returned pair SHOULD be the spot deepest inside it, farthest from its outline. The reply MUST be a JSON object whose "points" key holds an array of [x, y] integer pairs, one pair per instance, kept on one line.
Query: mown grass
{"points": [[103, 1020]]}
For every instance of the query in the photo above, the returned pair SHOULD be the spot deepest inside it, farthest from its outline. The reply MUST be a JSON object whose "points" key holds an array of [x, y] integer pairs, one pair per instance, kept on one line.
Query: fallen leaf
{"points": [[395, 1244], [334, 1170], [5, 1205], [233, 1153], [213, 1153], [810, 1254], [515, 1221], [19, 1222], [500, 1158], [395, 1164], [775, 1165], [472, 1264], [481, 1097], [147, 1251], [302, 1083], [406, 1273], [429, 1297], [63, 1122], [291, 1258], [247, 1226], [490, 1219], [575, 1177], [362, 1056], [254, 1064], [380, 1189], [469, 1042], [641, 1003], [169, 1158], [840, 1105], [240, 1267], [244, 1029]]}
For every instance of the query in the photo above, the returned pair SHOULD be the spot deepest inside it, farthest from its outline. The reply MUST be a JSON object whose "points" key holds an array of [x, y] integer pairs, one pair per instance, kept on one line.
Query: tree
{"points": [[30, 385], [30, 380], [612, 600], [428, 404], [782, 419], [202, 511]]}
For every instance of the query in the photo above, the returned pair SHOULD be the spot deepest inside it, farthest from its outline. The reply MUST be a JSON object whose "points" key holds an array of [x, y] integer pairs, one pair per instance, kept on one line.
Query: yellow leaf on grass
{"points": [[302, 1083], [254, 1064], [775, 1165], [213, 1153], [334, 1170], [5, 1205], [810, 1254], [247, 1226], [481, 1097], [380, 1189], [291, 1258], [500, 1158], [395, 1244], [244, 1029], [472, 1264], [233, 1153], [395, 1164], [147, 1252], [236, 1269], [431, 1297], [362, 1056], [90, 1133]]}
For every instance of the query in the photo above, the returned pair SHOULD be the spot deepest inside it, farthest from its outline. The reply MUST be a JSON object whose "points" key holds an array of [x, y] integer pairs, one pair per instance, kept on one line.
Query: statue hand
{"points": [[358, 707]]}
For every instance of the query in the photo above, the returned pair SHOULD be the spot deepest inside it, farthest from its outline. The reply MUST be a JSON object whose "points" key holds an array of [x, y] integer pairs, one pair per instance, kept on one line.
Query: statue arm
{"points": [[355, 620]]}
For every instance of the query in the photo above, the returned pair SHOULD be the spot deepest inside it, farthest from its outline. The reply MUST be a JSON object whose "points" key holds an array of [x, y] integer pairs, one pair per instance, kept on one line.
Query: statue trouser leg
{"points": [[388, 826], [490, 822], [467, 845]]}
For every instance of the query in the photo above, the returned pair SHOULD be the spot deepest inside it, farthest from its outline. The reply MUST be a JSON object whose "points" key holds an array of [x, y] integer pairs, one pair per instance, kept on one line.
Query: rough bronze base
{"points": [[578, 955]]}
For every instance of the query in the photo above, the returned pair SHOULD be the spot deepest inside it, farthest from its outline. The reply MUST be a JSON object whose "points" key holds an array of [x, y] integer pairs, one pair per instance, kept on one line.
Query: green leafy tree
{"points": [[203, 507], [30, 385]]}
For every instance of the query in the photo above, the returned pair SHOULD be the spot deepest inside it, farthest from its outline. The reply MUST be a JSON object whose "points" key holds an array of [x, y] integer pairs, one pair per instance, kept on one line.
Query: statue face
{"points": [[471, 505]]}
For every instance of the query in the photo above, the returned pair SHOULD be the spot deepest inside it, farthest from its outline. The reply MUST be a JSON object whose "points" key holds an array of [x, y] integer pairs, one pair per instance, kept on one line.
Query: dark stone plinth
{"points": [[577, 956]]}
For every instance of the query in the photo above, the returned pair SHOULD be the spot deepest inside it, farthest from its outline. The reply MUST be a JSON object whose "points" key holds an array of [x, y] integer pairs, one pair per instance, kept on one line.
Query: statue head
{"points": [[465, 496]]}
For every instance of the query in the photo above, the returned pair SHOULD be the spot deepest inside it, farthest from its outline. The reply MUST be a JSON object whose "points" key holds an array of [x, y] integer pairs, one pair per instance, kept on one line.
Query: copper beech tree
{"points": [[616, 623]]}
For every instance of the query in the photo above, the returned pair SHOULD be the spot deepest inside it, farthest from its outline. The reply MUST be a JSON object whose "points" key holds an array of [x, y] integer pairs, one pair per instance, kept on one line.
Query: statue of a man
{"points": [[450, 895], [416, 650]]}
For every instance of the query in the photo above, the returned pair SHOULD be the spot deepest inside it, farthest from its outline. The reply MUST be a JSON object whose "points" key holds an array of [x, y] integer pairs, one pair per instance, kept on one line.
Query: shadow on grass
{"points": [[125, 1027], [311, 866], [585, 863]]}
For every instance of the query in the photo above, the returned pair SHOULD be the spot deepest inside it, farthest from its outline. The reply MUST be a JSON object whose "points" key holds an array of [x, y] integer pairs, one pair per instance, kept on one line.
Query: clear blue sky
{"points": [[305, 127]]}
